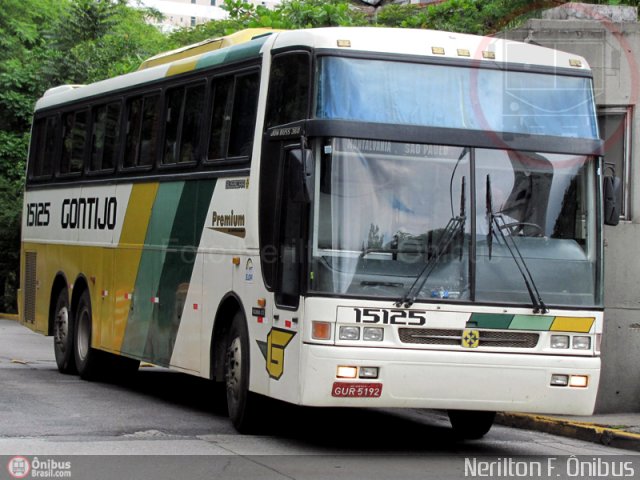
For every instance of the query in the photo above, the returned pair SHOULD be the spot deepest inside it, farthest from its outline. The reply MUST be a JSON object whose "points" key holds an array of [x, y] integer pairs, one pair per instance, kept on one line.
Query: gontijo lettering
{"points": [[91, 213]]}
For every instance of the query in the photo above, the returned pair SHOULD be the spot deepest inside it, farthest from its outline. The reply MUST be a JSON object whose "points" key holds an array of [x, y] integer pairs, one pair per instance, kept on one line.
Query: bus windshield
{"points": [[384, 210], [455, 97]]}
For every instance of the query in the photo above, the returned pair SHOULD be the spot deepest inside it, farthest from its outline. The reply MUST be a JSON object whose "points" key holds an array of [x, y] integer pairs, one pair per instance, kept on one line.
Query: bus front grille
{"points": [[488, 338]]}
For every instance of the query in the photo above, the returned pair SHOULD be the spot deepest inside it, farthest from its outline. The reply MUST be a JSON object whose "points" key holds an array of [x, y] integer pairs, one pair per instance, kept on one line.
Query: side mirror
{"points": [[611, 193], [300, 175]]}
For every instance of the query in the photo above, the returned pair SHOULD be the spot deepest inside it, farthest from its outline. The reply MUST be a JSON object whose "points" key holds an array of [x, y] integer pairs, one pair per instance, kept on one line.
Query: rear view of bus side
{"points": [[331, 217]]}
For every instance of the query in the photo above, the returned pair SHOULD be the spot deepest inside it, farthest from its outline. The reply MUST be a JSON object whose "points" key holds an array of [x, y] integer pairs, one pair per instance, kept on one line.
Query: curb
{"points": [[589, 432]]}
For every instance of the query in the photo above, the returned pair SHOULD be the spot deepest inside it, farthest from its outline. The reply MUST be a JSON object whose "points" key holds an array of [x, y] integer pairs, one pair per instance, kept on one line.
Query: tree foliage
{"points": [[44, 43]]}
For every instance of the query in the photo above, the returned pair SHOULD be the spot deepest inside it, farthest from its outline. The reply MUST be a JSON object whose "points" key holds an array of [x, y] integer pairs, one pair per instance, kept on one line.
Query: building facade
{"points": [[609, 38], [189, 13]]}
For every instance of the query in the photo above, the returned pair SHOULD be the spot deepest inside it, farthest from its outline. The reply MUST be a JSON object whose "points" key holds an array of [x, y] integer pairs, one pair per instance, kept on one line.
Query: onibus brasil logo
{"points": [[19, 467]]}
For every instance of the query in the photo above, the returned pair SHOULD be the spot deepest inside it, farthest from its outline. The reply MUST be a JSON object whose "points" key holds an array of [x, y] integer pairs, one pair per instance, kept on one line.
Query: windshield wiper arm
{"points": [[534, 294], [455, 225]]}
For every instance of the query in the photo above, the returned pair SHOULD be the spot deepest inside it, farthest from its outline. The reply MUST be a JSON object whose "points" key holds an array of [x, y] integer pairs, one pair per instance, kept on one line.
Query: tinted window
{"points": [[172, 124], [192, 123], [184, 107], [235, 102], [243, 116], [74, 137], [289, 85], [43, 145], [105, 136], [142, 131], [220, 117]]}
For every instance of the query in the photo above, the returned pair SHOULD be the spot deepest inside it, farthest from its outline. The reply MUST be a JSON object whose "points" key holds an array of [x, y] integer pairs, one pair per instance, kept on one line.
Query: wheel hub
{"points": [[61, 328], [234, 367], [84, 329]]}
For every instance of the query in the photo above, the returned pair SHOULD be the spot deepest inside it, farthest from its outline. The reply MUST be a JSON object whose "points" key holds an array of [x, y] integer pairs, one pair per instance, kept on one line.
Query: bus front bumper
{"points": [[448, 380]]}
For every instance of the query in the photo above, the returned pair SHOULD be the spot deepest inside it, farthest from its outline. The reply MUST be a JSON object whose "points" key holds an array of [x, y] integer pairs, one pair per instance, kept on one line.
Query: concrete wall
{"points": [[609, 38]]}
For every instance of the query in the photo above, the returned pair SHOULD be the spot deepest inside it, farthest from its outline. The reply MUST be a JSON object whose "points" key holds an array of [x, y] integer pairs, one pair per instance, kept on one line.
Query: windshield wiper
{"points": [[495, 219], [453, 229]]}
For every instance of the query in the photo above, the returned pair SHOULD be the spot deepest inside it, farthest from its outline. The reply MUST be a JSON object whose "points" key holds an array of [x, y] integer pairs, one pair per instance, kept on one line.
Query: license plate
{"points": [[359, 390]]}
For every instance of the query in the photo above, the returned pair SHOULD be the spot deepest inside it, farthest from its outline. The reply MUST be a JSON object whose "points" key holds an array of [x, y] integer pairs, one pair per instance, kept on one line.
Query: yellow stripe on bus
{"points": [[129, 252], [183, 66], [572, 324]]}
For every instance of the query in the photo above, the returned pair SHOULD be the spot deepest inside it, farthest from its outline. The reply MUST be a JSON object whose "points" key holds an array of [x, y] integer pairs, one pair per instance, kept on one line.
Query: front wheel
{"points": [[63, 334], [471, 425], [241, 403]]}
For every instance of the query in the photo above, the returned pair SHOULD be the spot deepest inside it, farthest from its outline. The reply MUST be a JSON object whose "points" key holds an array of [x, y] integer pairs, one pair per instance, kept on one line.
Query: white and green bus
{"points": [[351, 217]]}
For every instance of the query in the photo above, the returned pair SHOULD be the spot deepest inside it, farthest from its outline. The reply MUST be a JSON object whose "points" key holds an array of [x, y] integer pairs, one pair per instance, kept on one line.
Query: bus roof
{"points": [[424, 43], [208, 45]]}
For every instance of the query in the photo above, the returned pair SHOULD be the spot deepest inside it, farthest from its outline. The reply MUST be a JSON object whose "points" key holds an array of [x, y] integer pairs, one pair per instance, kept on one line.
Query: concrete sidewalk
{"points": [[619, 430]]}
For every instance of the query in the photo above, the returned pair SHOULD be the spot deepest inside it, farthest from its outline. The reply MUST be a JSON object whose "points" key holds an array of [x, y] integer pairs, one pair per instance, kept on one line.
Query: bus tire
{"points": [[242, 405], [470, 424], [63, 334], [88, 359]]}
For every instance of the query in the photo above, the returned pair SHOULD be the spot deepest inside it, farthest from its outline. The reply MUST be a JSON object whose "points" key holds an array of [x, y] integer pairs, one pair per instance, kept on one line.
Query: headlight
{"points": [[559, 380], [349, 333], [559, 341], [582, 343], [373, 334]]}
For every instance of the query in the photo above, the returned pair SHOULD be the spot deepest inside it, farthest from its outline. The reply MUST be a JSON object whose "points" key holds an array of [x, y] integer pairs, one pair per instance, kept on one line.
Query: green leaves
{"points": [[45, 43]]}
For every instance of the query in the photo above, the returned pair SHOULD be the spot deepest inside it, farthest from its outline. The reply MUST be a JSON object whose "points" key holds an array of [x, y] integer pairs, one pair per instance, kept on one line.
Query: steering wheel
{"points": [[517, 228]]}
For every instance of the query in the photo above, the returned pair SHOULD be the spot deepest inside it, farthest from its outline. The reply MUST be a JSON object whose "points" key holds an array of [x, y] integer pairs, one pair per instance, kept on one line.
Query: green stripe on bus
{"points": [[143, 308], [531, 322], [235, 53], [177, 269], [490, 320]]}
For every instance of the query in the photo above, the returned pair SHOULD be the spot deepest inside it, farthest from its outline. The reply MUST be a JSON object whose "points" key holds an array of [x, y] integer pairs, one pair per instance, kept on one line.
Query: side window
{"points": [[222, 101], [143, 115], [183, 118], [105, 137], [74, 136], [243, 116], [233, 116], [289, 88], [172, 124], [192, 123], [43, 145]]}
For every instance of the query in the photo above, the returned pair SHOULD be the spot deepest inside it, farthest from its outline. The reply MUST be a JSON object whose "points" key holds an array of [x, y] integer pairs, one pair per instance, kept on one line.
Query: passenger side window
{"points": [[233, 116], [183, 117], [74, 136], [222, 103], [243, 117], [105, 137], [45, 132], [141, 141]]}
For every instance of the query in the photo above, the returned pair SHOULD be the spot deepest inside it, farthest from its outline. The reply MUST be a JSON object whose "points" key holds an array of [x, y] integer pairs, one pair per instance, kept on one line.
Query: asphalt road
{"points": [[161, 424]]}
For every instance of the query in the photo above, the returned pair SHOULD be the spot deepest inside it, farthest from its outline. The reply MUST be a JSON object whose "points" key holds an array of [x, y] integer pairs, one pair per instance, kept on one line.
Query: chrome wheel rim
{"points": [[84, 334], [234, 368], [61, 328]]}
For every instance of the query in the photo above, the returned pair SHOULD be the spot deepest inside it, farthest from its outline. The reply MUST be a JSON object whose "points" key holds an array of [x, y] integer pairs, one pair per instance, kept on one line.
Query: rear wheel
{"points": [[88, 359], [471, 425], [243, 405], [63, 334]]}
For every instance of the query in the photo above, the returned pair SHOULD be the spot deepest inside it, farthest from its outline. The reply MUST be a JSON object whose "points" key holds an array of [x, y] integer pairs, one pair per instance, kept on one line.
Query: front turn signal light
{"points": [[321, 330]]}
